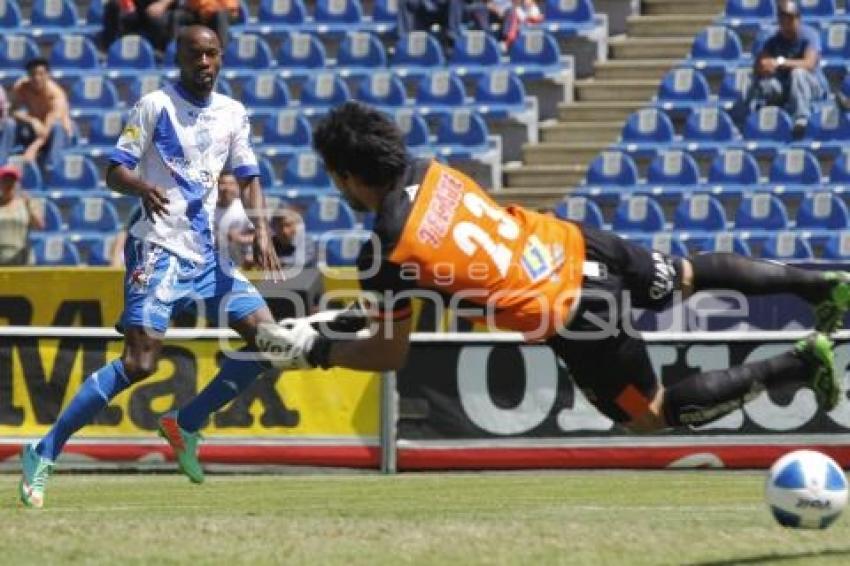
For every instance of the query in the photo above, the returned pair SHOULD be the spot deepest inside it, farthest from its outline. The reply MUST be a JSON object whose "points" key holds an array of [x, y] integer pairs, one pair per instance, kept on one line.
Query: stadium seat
{"points": [[786, 246], [385, 15], [733, 168], [15, 51], [103, 131], [328, 212], [31, 177], [761, 211], [795, 169], [673, 168], [51, 19], [725, 242], [73, 55], [699, 211], [707, 131], [838, 246], [268, 178], [129, 55], [337, 16], [439, 92], [415, 131], [304, 169], [246, 53], [10, 15], [222, 86], [669, 244], [94, 13], [417, 53], [382, 89], [567, 17], [500, 93], [749, 13], [169, 57], [341, 249], [736, 83], [715, 49], [278, 17], [300, 55], [265, 93], [535, 54], [612, 168], [840, 171], [95, 249], [463, 135], [835, 43], [828, 131], [645, 132], [683, 89], [53, 250], [92, 93], [823, 210], [93, 214], [581, 210], [639, 213], [324, 91], [143, 84], [767, 130], [475, 54], [75, 172], [50, 212], [813, 11], [287, 132], [360, 54]]}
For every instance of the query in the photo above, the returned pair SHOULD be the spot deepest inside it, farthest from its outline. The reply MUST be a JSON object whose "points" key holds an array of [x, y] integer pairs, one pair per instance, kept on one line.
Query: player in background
{"points": [[436, 229], [179, 138]]}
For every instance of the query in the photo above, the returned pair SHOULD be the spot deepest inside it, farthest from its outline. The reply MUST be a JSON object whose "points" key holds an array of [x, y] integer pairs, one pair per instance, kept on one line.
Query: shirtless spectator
{"points": [[41, 114]]}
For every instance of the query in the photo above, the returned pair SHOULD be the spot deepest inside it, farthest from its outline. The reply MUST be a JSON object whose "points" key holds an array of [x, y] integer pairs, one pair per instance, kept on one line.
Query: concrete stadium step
{"points": [[650, 47], [632, 69], [591, 132], [668, 25], [602, 111], [543, 176], [531, 197], [598, 91], [564, 153], [658, 7]]}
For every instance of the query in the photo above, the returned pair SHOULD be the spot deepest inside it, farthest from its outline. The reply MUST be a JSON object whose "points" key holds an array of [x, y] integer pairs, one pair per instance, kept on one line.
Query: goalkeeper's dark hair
{"points": [[356, 139]]}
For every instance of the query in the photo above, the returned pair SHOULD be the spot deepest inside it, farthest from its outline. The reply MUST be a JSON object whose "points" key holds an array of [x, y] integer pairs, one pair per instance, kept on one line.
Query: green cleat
{"points": [[184, 444], [829, 313], [817, 349], [35, 471]]}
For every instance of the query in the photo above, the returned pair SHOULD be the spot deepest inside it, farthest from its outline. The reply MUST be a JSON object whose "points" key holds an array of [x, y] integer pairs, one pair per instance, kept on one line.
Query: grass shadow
{"points": [[774, 557]]}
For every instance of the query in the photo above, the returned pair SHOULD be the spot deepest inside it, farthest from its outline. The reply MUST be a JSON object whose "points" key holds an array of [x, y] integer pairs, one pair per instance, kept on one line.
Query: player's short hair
{"points": [[35, 63], [356, 139]]}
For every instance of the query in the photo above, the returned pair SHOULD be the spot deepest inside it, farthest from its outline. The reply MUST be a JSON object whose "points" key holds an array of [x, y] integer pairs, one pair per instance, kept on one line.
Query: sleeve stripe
{"points": [[246, 171], [123, 157]]}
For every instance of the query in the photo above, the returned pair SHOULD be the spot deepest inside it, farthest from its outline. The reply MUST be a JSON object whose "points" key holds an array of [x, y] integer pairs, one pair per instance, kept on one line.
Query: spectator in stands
{"points": [[787, 69], [152, 19], [234, 231], [290, 239], [42, 118], [17, 217], [420, 15], [215, 14], [512, 16]]}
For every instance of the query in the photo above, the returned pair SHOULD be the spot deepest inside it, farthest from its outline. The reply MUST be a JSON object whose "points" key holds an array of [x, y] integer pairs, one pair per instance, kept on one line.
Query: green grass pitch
{"points": [[528, 518]]}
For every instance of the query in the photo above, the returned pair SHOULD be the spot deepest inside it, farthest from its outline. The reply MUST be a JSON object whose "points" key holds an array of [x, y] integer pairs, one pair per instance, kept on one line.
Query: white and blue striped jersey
{"points": [[181, 145]]}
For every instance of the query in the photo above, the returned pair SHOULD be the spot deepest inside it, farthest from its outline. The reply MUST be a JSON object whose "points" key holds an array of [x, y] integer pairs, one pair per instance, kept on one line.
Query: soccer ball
{"points": [[806, 489]]}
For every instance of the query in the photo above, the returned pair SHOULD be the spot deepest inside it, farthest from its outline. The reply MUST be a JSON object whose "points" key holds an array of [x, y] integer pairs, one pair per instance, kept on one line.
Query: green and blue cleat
{"points": [[817, 349], [35, 471], [184, 444], [829, 313]]}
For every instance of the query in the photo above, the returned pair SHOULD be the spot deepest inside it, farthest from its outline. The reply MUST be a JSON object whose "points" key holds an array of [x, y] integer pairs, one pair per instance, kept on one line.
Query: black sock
{"points": [[755, 277], [704, 397]]}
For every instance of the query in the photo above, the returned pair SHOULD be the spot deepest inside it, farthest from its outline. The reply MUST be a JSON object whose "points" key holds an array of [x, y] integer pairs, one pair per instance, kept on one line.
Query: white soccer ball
{"points": [[806, 489]]}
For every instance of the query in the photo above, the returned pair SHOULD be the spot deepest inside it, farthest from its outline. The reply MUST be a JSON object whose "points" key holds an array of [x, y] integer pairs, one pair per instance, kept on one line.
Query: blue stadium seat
{"points": [[828, 131], [382, 89], [840, 172], [415, 130], [682, 89], [222, 86], [50, 212], [143, 84], [733, 168], [103, 132], [337, 16], [535, 54], [813, 11], [300, 55], [15, 51], [568, 17], [581, 210], [268, 178], [439, 92], [612, 168], [10, 15], [53, 250], [94, 13], [93, 214], [715, 49], [51, 19], [639, 213], [74, 55], [360, 54], [461, 132], [265, 94], [646, 131], [673, 168], [385, 15], [835, 43], [707, 131], [328, 212], [129, 55], [341, 249], [736, 83], [767, 130], [761, 211], [279, 17], [823, 210], [726, 242], [304, 169], [95, 249], [475, 54], [31, 177], [169, 58], [417, 53], [796, 170], [75, 172], [245, 54], [700, 211], [669, 244], [749, 13], [324, 91], [838, 246], [92, 93], [288, 131], [787, 246], [500, 93]]}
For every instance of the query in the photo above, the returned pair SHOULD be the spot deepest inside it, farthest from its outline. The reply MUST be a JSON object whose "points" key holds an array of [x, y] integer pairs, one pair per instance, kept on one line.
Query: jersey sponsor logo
{"points": [[131, 133], [536, 260], [441, 209]]}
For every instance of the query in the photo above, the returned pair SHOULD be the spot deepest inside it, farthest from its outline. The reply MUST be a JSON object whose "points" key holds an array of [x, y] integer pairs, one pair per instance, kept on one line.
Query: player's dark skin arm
{"points": [[255, 208], [385, 350], [121, 180]]}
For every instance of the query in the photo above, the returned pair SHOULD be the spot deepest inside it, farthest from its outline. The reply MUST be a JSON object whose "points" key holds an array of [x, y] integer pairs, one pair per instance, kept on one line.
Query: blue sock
{"points": [[233, 378], [94, 394]]}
